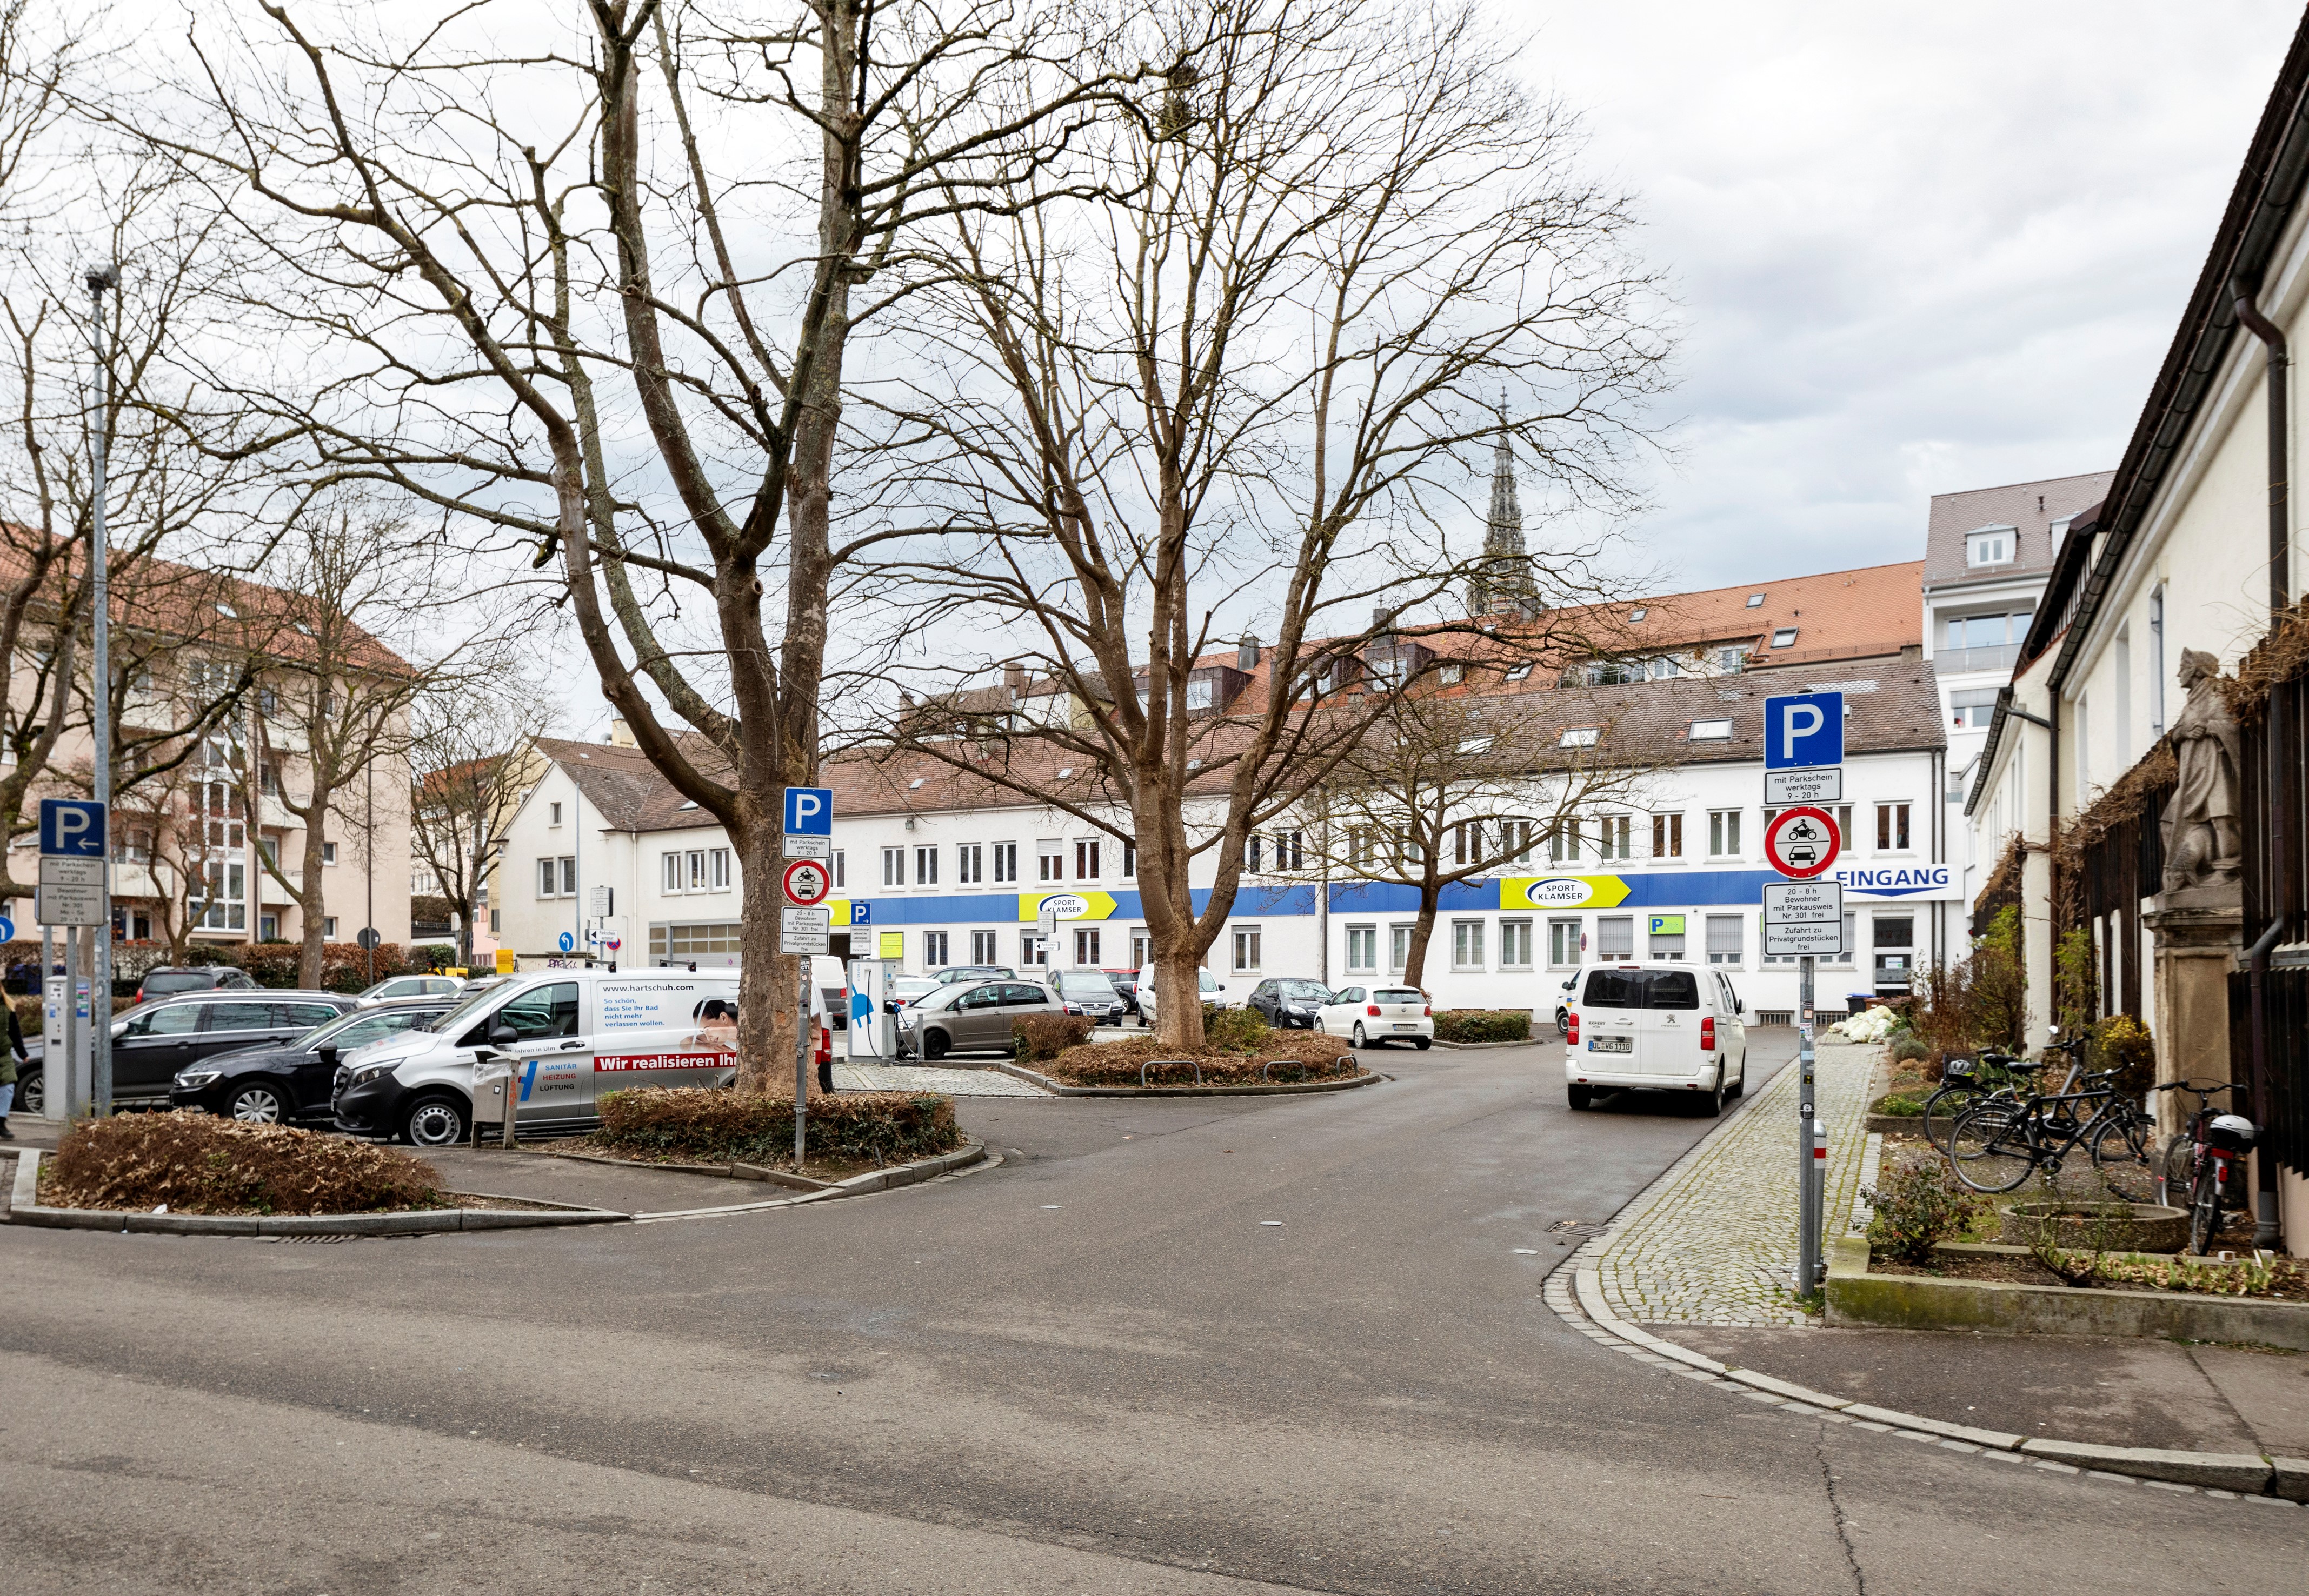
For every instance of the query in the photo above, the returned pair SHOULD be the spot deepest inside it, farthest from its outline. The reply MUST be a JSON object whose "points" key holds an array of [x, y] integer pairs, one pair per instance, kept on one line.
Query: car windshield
{"points": [[1306, 991], [1210, 983], [469, 1003], [362, 1027], [941, 996], [1086, 986]]}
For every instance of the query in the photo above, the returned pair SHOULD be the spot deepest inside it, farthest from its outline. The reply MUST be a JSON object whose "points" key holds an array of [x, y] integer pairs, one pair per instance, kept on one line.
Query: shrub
{"points": [[1908, 1049], [1116, 1064], [1236, 1031], [1036, 1038], [197, 1163], [1917, 1209], [2122, 1044], [710, 1124], [1898, 1105], [1483, 1025]]}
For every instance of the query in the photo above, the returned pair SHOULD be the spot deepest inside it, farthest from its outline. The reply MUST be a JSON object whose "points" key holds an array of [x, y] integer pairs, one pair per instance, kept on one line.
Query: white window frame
{"points": [[670, 872], [893, 866], [1087, 944], [1563, 938], [1467, 945], [1363, 949], [717, 870], [1895, 831], [1515, 938], [982, 948], [934, 950], [1728, 958], [1668, 834], [926, 864], [1613, 833], [1006, 862], [970, 868], [1615, 921], [1724, 834], [328, 853], [1050, 859], [1086, 858], [1244, 944]]}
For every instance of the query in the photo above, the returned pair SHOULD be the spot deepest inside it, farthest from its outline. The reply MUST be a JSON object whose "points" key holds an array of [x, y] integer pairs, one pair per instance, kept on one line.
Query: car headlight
{"points": [[194, 1079], [370, 1071]]}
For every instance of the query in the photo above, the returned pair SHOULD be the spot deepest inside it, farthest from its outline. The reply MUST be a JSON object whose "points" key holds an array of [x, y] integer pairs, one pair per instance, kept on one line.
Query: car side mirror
{"points": [[503, 1035], [328, 1055]]}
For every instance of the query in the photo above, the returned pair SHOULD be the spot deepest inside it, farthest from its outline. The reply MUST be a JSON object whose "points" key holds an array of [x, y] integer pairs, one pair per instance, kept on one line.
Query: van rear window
{"points": [[1642, 988]]}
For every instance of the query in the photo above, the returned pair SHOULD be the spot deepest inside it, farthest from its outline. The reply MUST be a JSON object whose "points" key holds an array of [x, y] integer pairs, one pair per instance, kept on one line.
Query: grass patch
{"points": [[1226, 1062], [1900, 1105], [197, 1163], [713, 1126]]}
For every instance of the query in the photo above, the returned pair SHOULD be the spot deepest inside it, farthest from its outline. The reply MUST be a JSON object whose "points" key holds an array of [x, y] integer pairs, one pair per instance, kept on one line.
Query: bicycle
{"points": [[2210, 1156], [1998, 1142], [1944, 1107]]}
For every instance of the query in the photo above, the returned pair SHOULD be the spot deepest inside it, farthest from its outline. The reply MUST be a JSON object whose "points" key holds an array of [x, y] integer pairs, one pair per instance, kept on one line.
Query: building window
{"points": [[1051, 860], [1724, 834], [549, 878], [1563, 943], [2156, 660], [1515, 841], [1615, 937], [1467, 841], [328, 853], [893, 866], [1579, 736], [1363, 950], [1709, 731], [1731, 661], [1033, 950], [1086, 858], [1399, 948], [1515, 945], [1611, 837], [696, 860], [1246, 949], [1142, 947], [497, 922], [1563, 843], [1086, 950], [970, 866], [714, 945], [1668, 836], [926, 865], [568, 875], [553, 813], [1289, 854], [1663, 935], [1725, 936], [1251, 853], [841, 863], [982, 948], [1451, 675], [933, 949], [1784, 637], [1972, 707], [1006, 861], [329, 926], [1130, 857], [1992, 546], [1467, 945], [670, 872], [1891, 828], [717, 869], [1755, 600]]}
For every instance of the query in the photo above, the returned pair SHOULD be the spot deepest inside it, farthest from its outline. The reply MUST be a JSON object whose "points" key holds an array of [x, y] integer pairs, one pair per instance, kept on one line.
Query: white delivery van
{"points": [[1656, 1027], [569, 1035]]}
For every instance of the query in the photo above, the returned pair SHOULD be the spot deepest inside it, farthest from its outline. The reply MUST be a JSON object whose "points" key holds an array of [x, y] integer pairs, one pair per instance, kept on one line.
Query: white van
{"points": [[1656, 1028], [570, 1035], [1213, 989]]}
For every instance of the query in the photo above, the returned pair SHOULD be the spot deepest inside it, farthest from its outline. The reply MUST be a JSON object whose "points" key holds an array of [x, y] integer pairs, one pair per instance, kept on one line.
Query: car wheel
{"points": [[933, 1044], [1715, 1098], [1740, 1082], [260, 1102], [1562, 1022], [1360, 1041], [31, 1094], [434, 1122], [1423, 1043], [1579, 1098]]}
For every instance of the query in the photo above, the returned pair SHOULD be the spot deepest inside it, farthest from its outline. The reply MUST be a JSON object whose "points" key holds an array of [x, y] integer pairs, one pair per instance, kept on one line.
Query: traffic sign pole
{"points": [[101, 278], [808, 813], [1803, 755]]}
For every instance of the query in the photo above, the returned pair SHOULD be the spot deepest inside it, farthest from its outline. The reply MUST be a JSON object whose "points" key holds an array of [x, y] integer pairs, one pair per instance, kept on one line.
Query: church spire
{"points": [[1503, 578]]}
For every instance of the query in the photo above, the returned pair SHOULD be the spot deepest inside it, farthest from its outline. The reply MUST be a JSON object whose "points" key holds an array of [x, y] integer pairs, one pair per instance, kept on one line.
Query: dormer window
{"points": [[1474, 744], [1992, 546], [1755, 600], [1637, 614], [1516, 673], [1579, 736], [1784, 638], [1710, 731], [916, 783]]}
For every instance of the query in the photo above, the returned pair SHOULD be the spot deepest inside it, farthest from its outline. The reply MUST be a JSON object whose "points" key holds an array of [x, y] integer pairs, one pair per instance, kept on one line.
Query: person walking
{"points": [[8, 1072]]}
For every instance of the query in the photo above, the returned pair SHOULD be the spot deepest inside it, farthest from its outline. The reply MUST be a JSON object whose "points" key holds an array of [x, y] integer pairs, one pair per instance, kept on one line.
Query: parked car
{"points": [[972, 972], [1288, 1004], [394, 988], [1369, 1015], [153, 1040], [166, 980], [907, 988], [967, 1017], [292, 1081], [1656, 1028], [568, 1035], [1563, 1004], [1125, 986], [1089, 992], [1213, 991]]}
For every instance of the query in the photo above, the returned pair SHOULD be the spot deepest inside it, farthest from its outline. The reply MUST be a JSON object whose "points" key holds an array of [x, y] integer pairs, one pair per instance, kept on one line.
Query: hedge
{"points": [[1116, 1064], [1483, 1025], [712, 1125], [345, 965], [1037, 1037], [200, 1163]]}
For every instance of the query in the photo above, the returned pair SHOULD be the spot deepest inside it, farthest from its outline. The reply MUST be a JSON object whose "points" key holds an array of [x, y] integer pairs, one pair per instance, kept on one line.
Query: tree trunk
{"points": [[765, 1011], [311, 896], [1423, 929]]}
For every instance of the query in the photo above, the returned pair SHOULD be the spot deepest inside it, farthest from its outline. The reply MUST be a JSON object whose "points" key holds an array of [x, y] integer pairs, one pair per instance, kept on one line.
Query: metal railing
{"points": [[1991, 656]]}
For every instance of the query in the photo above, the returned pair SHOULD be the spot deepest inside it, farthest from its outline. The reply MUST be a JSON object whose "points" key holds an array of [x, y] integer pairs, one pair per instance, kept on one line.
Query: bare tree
{"points": [[1256, 362], [598, 294], [473, 764]]}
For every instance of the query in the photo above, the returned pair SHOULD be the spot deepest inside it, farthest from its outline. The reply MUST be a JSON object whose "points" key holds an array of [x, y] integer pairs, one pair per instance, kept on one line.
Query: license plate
{"points": [[1610, 1044], [1406, 1027]]}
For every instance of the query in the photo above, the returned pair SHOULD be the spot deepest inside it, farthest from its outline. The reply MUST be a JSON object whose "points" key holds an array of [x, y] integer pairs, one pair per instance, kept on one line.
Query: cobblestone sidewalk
{"points": [[886, 1077], [1712, 1241]]}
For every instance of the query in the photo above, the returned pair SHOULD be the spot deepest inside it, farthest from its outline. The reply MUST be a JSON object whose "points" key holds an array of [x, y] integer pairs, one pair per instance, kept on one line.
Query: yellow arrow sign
{"points": [[1562, 891], [1100, 906]]}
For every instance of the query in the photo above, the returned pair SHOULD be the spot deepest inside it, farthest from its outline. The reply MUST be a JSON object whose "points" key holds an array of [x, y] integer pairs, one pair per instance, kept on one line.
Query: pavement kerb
{"points": [[1471, 1046], [2265, 1478], [1279, 1089]]}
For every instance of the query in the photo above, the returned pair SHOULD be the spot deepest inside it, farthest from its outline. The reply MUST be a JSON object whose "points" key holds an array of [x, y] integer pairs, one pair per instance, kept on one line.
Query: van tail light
{"points": [[1571, 1036], [1707, 1034], [1371, 1009], [825, 1046]]}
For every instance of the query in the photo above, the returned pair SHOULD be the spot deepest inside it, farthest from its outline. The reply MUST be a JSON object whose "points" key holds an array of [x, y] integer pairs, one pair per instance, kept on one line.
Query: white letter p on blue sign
{"points": [[809, 811], [1803, 730]]}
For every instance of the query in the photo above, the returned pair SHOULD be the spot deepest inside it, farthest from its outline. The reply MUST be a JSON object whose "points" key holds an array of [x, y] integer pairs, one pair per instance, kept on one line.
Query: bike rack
{"points": [[1195, 1063]]}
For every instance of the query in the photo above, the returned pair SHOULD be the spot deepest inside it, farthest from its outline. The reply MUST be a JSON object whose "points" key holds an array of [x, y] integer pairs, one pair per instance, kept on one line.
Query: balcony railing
{"points": [[1994, 656]]}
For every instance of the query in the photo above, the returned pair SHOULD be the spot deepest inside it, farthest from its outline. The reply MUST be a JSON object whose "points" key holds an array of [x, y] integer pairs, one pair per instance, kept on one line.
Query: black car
{"points": [[153, 1040], [168, 980], [1126, 988], [290, 1081], [1289, 1004]]}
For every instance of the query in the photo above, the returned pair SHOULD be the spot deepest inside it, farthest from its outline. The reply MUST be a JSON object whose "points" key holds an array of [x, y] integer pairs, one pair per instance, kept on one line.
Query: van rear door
{"points": [[1670, 1025], [1610, 1019]]}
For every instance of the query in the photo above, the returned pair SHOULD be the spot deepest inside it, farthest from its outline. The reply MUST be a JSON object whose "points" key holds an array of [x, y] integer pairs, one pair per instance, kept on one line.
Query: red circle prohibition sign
{"points": [[1802, 842], [807, 882]]}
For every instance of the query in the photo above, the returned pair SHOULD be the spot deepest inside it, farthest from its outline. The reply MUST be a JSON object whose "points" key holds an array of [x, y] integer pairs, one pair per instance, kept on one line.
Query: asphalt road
{"points": [[1094, 1369]]}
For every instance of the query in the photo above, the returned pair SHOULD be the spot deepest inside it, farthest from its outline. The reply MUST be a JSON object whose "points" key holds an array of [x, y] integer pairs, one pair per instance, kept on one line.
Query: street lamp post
{"points": [[99, 1004]]}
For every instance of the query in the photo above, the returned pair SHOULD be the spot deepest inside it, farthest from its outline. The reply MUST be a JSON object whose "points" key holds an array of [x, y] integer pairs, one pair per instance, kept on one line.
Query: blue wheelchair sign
{"points": [[1803, 730], [567, 941]]}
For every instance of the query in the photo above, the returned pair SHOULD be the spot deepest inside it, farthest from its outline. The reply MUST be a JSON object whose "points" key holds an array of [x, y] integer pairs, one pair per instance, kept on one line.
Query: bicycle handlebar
{"points": [[2193, 1086]]}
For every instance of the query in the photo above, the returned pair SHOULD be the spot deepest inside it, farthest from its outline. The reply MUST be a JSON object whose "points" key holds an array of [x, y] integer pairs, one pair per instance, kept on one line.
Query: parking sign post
{"points": [[809, 814], [1803, 755]]}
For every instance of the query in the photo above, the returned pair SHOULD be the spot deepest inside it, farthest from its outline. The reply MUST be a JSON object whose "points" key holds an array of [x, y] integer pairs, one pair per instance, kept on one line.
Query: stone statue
{"points": [[2204, 842]]}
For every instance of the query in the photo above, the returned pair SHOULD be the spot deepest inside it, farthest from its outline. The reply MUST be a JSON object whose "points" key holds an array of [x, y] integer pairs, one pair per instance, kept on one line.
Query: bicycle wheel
{"points": [[2121, 1158], [2179, 1148], [2204, 1210], [1941, 1111], [1989, 1147]]}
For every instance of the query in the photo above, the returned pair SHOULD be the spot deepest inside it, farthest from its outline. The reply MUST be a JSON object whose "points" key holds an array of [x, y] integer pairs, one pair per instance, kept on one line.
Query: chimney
{"points": [[1246, 653], [621, 736], [1014, 678]]}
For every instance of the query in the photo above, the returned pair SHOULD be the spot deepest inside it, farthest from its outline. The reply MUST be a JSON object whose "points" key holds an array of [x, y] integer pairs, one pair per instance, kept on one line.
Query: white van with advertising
{"points": [[1656, 1027], [570, 1036]]}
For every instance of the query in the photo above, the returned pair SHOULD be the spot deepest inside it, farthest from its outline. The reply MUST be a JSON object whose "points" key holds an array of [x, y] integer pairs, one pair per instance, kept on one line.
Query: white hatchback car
{"points": [[1656, 1028], [1369, 1015]]}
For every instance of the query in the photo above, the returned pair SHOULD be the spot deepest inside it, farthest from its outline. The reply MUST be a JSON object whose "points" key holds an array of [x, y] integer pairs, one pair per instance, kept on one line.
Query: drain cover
{"points": [[1577, 1227]]}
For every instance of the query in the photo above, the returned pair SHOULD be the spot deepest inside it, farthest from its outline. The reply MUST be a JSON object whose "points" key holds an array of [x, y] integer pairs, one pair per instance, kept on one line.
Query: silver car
{"points": [[967, 1017]]}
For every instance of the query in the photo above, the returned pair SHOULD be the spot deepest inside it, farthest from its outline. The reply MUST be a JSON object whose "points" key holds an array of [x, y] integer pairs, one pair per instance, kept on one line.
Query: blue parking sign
{"points": [[72, 827], [1803, 730], [860, 914], [809, 811]]}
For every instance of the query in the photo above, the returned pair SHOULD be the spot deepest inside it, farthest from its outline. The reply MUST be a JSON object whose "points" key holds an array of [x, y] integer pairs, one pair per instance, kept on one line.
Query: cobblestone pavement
{"points": [[887, 1077], [1713, 1240]]}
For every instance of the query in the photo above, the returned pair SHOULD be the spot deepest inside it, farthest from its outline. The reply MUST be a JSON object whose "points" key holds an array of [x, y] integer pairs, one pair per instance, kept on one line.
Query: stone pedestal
{"points": [[2198, 934]]}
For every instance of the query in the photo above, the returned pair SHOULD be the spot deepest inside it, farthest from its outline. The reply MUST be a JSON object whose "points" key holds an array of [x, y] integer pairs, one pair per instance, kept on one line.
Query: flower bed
{"points": [[198, 1163], [1483, 1025], [705, 1125], [1116, 1064]]}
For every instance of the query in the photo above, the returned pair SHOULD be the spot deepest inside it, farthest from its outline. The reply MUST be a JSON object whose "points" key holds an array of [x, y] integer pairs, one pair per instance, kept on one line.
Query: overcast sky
{"points": [[1919, 248]]}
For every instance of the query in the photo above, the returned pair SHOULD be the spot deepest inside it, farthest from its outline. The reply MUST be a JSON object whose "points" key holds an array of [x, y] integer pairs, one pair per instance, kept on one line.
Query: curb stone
{"points": [[1579, 1301], [1279, 1089]]}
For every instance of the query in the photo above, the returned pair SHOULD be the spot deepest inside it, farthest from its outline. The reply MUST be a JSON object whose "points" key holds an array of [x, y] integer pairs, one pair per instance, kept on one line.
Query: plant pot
{"points": [[2116, 1226]]}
